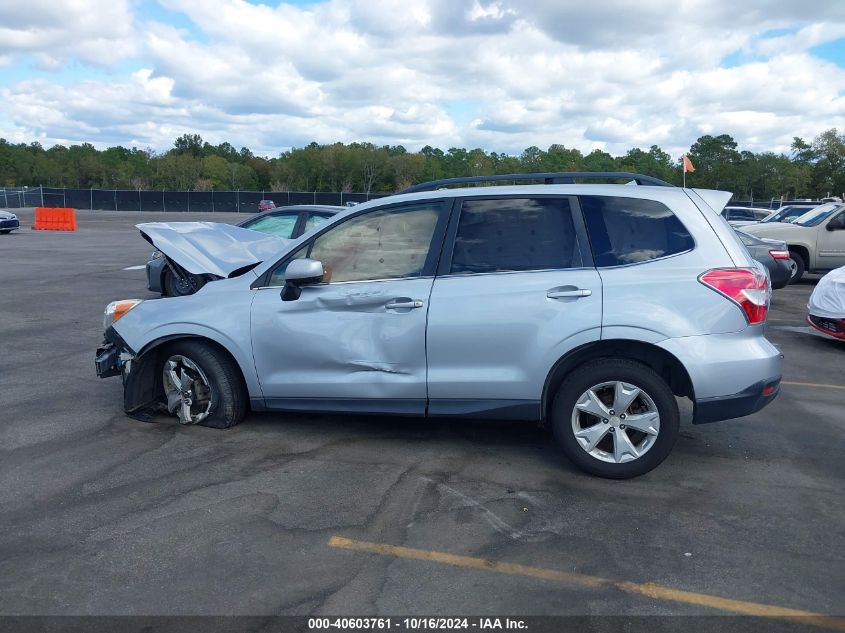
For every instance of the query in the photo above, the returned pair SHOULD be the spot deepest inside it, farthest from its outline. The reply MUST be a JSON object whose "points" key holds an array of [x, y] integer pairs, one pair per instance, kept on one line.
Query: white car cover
{"points": [[828, 299]]}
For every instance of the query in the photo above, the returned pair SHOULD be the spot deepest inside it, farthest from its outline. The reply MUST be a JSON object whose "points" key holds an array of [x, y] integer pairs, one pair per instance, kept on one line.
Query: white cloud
{"points": [[96, 32], [588, 75]]}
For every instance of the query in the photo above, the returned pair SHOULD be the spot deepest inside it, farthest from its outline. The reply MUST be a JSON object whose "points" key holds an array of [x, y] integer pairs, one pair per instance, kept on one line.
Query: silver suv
{"points": [[592, 306]]}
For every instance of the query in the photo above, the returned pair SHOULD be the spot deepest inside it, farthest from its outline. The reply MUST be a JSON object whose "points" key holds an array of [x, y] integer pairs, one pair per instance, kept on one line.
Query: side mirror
{"points": [[299, 273]]}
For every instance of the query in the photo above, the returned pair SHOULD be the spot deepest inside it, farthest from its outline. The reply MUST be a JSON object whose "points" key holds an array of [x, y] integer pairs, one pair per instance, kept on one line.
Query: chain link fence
{"points": [[170, 201], [214, 201]]}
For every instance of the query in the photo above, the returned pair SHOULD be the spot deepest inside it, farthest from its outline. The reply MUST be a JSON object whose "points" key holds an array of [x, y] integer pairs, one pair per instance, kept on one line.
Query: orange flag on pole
{"points": [[688, 165]]}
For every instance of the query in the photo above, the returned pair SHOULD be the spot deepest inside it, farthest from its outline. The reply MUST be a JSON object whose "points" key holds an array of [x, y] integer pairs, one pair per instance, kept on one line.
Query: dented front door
{"points": [[354, 346], [355, 342]]}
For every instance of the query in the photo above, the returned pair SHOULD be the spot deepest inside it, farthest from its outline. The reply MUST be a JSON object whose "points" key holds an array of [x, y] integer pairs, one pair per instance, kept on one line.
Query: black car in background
{"points": [[773, 254], [284, 222]]}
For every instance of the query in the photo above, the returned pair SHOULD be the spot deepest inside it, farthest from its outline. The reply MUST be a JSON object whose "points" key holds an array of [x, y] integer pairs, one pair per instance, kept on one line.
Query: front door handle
{"points": [[403, 304], [569, 294]]}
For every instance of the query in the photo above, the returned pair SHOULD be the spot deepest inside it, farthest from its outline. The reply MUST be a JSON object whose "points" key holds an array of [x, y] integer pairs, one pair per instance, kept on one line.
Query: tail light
{"points": [[779, 254], [749, 289]]}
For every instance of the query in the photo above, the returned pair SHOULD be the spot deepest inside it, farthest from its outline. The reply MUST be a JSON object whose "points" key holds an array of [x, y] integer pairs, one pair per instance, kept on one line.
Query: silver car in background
{"points": [[591, 306]]}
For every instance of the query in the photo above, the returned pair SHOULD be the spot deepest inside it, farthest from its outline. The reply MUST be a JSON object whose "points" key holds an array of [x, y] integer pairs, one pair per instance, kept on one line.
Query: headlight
{"points": [[156, 255], [117, 309]]}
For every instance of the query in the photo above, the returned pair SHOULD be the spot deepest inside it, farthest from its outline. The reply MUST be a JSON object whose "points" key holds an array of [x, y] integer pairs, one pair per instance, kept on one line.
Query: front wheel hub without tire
{"points": [[187, 390]]}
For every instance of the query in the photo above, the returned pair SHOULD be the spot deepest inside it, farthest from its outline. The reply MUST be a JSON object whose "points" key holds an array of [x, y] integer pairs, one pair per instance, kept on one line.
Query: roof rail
{"points": [[551, 178]]}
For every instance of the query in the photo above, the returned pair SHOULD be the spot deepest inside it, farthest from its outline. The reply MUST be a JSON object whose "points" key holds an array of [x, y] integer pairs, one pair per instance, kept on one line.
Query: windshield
{"points": [[784, 213], [817, 215]]}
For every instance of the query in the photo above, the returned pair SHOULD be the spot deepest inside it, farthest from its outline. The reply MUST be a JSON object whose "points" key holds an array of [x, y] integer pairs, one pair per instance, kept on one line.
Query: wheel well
{"points": [[803, 252], [145, 378], [665, 364]]}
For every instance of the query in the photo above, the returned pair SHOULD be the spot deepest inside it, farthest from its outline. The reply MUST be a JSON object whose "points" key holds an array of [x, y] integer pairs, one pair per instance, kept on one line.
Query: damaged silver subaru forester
{"points": [[592, 306]]}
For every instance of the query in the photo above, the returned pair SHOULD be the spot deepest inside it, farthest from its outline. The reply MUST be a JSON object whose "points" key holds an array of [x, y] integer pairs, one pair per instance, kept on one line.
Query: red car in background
{"points": [[266, 205]]}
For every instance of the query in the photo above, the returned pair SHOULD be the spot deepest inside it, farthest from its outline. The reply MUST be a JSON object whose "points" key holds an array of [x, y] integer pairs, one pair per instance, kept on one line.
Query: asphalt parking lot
{"points": [[305, 514]]}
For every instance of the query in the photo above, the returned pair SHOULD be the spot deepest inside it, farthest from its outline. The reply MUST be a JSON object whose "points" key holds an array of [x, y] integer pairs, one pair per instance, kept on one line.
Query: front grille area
{"points": [[9, 224]]}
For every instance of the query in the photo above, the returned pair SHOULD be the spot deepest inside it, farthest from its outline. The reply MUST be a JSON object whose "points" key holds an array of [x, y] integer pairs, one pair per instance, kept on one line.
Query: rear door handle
{"points": [[569, 294], [403, 304]]}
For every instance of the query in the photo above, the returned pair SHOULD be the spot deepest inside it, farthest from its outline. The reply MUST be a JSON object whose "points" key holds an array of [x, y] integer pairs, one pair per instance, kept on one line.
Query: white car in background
{"points": [[815, 240], [826, 307], [788, 213], [740, 216]]}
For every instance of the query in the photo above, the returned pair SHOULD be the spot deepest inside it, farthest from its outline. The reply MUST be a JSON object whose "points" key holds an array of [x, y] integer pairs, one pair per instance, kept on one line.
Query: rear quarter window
{"points": [[632, 230]]}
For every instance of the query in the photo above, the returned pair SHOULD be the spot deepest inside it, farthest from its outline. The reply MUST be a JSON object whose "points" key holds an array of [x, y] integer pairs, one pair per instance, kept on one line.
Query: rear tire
{"points": [[228, 397], [797, 265], [608, 448]]}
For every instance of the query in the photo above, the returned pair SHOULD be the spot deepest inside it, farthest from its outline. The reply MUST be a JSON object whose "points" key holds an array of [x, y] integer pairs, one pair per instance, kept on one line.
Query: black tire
{"points": [[800, 266], [604, 370], [6, 231], [228, 392], [172, 288]]}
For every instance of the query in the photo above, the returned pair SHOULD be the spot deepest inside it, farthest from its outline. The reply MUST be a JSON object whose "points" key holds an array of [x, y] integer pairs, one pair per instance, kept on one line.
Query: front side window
{"points": [[280, 225], [837, 223], [380, 244], [515, 234], [632, 230]]}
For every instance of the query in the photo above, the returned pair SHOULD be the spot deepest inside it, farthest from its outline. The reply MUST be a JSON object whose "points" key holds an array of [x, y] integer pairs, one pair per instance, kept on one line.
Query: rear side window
{"points": [[515, 234], [631, 230]]}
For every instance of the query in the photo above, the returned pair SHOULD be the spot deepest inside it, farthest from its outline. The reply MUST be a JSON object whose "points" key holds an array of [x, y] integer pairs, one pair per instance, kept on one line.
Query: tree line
{"points": [[810, 170]]}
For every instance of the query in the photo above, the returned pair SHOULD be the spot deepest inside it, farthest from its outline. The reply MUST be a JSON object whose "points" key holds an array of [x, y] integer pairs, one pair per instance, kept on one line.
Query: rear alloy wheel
{"points": [[796, 267], [177, 286], [202, 386], [615, 418]]}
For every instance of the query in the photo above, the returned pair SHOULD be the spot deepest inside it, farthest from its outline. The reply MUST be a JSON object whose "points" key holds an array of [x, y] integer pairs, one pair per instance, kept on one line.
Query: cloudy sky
{"points": [[498, 74]]}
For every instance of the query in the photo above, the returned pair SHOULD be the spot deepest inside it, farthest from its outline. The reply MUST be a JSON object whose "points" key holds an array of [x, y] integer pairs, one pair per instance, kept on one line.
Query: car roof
{"points": [[648, 192], [307, 207], [297, 208]]}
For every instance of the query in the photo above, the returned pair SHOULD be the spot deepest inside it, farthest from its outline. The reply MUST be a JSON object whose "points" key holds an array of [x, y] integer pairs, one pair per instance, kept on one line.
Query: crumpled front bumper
{"points": [[108, 361], [112, 355], [115, 358]]}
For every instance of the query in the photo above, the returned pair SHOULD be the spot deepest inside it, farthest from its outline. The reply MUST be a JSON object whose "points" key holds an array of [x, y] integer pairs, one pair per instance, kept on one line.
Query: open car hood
{"points": [[210, 247]]}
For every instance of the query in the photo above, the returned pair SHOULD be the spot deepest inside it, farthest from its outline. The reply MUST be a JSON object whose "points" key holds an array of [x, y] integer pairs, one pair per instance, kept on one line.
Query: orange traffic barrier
{"points": [[58, 219]]}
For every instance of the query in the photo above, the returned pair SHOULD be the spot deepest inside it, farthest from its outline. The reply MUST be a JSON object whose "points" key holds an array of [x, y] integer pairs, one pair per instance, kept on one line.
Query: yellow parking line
{"points": [[648, 589], [811, 384]]}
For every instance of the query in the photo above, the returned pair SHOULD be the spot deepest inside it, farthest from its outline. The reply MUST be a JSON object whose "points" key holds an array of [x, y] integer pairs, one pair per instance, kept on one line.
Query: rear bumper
{"points": [[738, 405], [728, 371], [779, 273], [831, 327]]}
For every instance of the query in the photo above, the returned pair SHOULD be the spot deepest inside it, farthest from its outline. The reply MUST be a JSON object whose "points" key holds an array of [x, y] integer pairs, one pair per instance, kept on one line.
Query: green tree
{"points": [[188, 144], [715, 159], [828, 172]]}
